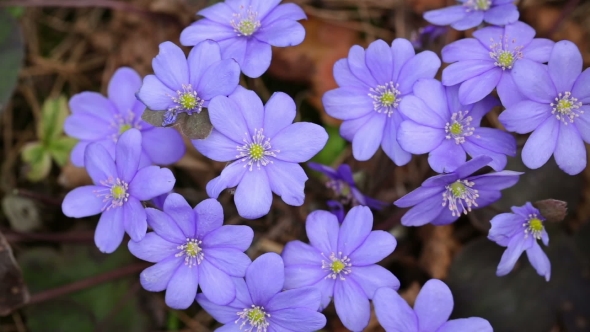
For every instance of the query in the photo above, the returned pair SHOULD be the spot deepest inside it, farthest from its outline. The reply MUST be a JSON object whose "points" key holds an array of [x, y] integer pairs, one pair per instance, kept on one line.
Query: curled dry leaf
{"points": [[13, 290], [552, 209], [195, 126]]}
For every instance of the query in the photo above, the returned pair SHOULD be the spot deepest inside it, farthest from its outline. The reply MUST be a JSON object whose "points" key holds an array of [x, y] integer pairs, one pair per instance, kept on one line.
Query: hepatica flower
{"points": [[191, 248], [441, 199], [119, 187], [262, 306], [372, 84], [471, 13], [556, 109], [486, 61], [186, 85], [265, 147], [341, 263], [439, 124], [518, 232], [246, 30], [431, 312], [98, 119]]}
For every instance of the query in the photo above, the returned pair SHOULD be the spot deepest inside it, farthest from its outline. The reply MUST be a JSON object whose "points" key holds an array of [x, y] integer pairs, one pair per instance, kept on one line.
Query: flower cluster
{"points": [[387, 97]]}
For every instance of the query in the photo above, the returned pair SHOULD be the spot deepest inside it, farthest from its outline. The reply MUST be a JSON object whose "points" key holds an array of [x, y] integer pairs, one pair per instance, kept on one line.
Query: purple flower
{"points": [[260, 305], [182, 85], [191, 248], [440, 125], [519, 231], [341, 263], [119, 187], [343, 186], [427, 35], [556, 109], [431, 312], [486, 61], [441, 199], [246, 30], [372, 84], [265, 146], [98, 119], [471, 13]]}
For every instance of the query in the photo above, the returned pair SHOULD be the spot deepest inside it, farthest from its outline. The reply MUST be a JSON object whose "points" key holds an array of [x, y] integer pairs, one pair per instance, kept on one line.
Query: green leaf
{"points": [[53, 115], [60, 149], [11, 55], [38, 161], [334, 147]]}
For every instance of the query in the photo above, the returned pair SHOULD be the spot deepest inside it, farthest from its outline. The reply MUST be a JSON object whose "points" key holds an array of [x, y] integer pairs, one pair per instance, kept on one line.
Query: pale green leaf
{"points": [[38, 161], [60, 149], [53, 115]]}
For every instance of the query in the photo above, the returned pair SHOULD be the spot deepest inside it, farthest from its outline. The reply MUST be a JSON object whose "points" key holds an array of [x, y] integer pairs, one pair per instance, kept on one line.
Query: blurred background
{"points": [[52, 277]]}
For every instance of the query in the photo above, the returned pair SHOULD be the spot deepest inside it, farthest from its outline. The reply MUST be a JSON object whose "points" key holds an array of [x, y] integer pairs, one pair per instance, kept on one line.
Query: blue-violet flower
{"points": [[486, 61], [431, 312], [119, 187], [98, 119], [341, 263], [471, 13], [262, 306], [441, 199], [440, 125], [556, 109], [518, 232], [186, 85], [191, 248], [246, 30], [372, 84], [265, 146]]}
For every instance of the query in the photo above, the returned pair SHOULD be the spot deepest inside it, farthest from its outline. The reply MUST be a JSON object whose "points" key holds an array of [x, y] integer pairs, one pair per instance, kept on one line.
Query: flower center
{"points": [[477, 5], [253, 319], [256, 150], [246, 22], [342, 191], [192, 252], [124, 128], [114, 194], [122, 123], [566, 108], [338, 266], [505, 53], [187, 101], [385, 98], [460, 197], [533, 226], [459, 127]]}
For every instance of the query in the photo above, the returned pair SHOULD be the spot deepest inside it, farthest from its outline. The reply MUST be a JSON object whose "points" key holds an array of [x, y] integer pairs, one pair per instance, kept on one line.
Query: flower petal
{"points": [[447, 156], [265, 277], [287, 11], [226, 117], [477, 88], [281, 33], [253, 196], [358, 66], [565, 65], [418, 139], [122, 88], [534, 81], [471, 324], [539, 49], [417, 195], [380, 61], [217, 147], [156, 278], [202, 57], [367, 140], [541, 144], [299, 142], [217, 286], [279, 112], [251, 106], [496, 181], [583, 124], [347, 103], [219, 79], [127, 154], [352, 305], [304, 319], [504, 227], [257, 58], [299, 253], [390, 144], [164, 146], [182, 288], [402, 51], [84, 126], [134, 219], [234, 48], [393, 312], [515, 248], [570, 152], [345, 78], [288, 181], [93, 104], [155, 94], [99, 163], [433, 94], [461, 71], [224, 314], [501, 15], [377, 246], [110, 230], [580, 89], [77, 154], [354, 229], [83, 202], [152, 248], [209, 216], [525, 116], [237, 237], [164, 226], [177, 208], [508, 91], [424, 212], [372, 277], [170, 66], [204, 29], [445, 16], [539, 261], [465, 49], [219, 12], [422, 65], [471, 20], [231, 261], [308, 298], [322, 229], [150, 182], [297, 276], [472, 166], [417, 109], [230, 177], [434, 305]]}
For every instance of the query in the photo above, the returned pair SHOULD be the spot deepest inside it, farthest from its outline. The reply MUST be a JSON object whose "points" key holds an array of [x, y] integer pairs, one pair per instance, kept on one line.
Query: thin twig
{"points": [[38, 197]]}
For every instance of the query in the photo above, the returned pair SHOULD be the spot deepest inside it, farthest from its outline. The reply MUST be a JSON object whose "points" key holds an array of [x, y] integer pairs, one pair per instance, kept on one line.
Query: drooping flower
{"points": [[262, 306], [471, 13], [556, 109], [482, 63], [341, 263], [192, 248], [440, 125], [246, 30], [425, 36], [441, 199], [119, 187], [186, 85], [371, 85], [431, 312], [265, 147], [518, 232], [98, 119], [344, 187]]}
